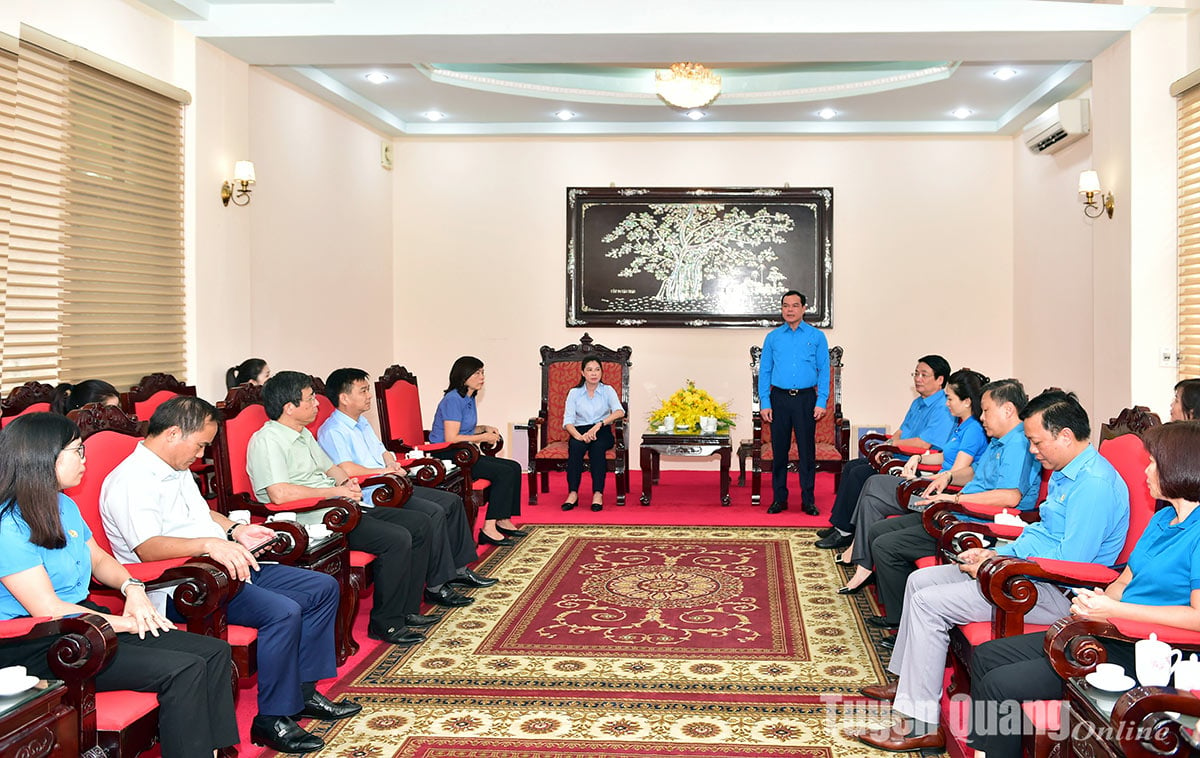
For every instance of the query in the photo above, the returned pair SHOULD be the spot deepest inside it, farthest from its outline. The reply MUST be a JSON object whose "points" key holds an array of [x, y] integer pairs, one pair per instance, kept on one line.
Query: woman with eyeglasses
{"points": [[47, 561], [456, 420]]}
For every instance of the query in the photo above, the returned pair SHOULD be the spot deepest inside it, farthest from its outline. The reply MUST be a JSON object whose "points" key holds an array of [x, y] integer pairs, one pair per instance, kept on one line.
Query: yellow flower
{"points": [[688, 404]]}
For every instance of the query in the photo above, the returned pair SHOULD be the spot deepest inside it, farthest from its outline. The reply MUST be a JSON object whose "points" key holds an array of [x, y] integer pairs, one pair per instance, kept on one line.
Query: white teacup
{"points": [[284, 516], [1187, 674], [240, 516], [12, 676], [1109, 673], [1154, 660], [318, 531]]}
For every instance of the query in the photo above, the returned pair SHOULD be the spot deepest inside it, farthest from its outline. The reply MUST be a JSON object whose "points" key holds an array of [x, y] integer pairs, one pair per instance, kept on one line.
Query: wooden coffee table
{"points": [[690, 444]]}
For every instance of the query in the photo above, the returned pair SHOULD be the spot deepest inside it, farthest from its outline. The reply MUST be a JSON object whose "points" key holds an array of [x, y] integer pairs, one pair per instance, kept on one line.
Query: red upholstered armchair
{"points": [[30, 397], [143, 399], [83, 644], [832, 434], [548, 439]]}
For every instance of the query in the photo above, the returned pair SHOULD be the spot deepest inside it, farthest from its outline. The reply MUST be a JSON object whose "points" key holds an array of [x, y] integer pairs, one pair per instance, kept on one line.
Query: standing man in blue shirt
{"points": [[1085, 518], [793, 384]]}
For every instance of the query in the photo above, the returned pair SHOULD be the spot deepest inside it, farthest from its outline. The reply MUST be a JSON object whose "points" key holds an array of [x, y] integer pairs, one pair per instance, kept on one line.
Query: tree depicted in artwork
{"points": [[685, 245]]}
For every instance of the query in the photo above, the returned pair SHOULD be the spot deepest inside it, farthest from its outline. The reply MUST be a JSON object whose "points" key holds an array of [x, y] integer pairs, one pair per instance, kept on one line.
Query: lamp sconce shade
{"points": [[239, 190], [1089, 187]]}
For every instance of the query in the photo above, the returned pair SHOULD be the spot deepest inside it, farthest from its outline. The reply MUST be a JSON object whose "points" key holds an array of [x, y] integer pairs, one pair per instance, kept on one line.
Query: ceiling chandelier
{"points": [[687, 85]]}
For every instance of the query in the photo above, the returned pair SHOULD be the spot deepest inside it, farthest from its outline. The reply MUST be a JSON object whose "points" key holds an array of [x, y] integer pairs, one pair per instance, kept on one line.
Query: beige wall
{"points": [[922, 229]]}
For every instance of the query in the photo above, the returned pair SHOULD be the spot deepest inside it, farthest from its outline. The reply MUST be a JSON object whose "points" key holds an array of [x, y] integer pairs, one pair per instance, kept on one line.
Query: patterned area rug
{"points": [[627, 641]]}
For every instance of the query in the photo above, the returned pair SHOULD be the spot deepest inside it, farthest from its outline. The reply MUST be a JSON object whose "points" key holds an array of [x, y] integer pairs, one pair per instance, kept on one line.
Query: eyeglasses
{"points": [[922, 374], [79, 450]]}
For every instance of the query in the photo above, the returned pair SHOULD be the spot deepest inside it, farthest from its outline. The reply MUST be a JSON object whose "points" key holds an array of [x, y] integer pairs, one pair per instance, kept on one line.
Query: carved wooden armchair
{"points": [[143, 399], [402, 432], [832, 434], [30, 397], [548, 439]]}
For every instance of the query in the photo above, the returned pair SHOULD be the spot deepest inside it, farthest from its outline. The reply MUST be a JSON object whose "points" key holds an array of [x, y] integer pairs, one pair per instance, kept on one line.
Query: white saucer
{"points": [[1116, 685], [18, 686]]}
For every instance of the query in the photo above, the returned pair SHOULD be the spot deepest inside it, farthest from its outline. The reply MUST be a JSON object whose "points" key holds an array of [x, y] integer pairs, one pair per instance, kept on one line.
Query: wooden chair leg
{"points": [[622, 486], [531, 482], [755, 484], [545, 481]]}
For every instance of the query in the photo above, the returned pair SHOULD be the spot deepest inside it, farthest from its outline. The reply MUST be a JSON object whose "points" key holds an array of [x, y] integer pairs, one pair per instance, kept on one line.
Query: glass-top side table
{"points": [[690, 443]]}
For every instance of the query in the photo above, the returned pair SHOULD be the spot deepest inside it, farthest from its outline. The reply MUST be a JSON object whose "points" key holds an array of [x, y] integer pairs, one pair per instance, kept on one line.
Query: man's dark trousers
{"points": [[896, 544], [792, 413]]}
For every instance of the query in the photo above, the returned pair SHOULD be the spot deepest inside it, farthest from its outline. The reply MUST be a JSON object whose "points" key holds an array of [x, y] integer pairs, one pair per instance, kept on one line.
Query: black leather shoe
{"points": [[447, 597], [419, 620], [888, 643], [401, 637], [569, 506], [597, 506], [810, 509], [283, 735], [516, 533], [826, 531], [487, 539], [855, 590], [469, 578], [835, 541], [881, 622], [320, 707], [777, 508]]}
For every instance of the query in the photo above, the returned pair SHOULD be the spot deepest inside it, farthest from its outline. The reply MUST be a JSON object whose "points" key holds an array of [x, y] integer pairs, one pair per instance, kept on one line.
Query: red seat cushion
{"points": [[926, 562], [979, 632], [359, 559], [480, 484], [1172, 635], [118, 709], [19, 627], [1084, 572], [241, 636], [1045, 715]]}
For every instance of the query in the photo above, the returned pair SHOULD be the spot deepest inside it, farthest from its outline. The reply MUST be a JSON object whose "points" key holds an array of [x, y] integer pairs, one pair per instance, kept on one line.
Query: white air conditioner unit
{"points": [[1063, 123]]}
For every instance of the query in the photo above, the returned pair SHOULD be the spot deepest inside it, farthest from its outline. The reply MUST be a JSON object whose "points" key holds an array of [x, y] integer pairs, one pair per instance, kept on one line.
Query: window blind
{"points": [[93, 278], [1189, 232]]}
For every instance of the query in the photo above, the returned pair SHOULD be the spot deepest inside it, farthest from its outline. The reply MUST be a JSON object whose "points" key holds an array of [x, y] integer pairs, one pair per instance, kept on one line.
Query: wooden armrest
{"points": [[869, 442], [342, 516], [1142, 726], [428, 472], [393, 490], [290, 550]]}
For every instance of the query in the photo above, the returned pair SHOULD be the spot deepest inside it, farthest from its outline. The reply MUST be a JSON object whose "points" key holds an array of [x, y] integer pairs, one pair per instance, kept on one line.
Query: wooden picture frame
{"points": [[745, 247]]}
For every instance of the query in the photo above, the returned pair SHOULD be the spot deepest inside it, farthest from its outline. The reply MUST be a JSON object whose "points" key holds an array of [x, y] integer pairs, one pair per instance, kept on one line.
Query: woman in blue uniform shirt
{"points": [[590, 409], [456, 420], [47, 561]]}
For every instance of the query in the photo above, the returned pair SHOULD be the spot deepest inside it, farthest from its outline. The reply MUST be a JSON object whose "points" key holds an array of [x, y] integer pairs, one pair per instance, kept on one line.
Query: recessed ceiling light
{"points": [[961, 112], [564, 115], [377, 77], [434, 115], [827, 113], [1004, 74], [695, 115]]}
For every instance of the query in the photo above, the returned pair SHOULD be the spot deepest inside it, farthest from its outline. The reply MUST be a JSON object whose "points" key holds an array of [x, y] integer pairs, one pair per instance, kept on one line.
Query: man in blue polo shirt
{"points": [[350, 442], [793, 387], [1085, 518], [927, 424], [1005, 474]]}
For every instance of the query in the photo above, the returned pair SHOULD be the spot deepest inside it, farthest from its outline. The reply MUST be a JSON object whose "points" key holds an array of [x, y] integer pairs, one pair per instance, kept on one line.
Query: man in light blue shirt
{"points": [[1085, 518], [793, 388], [348, 439]]}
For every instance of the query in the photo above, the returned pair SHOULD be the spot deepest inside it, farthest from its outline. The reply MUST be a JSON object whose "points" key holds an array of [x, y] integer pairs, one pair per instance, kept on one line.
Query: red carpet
{"points": [[682, 497]]}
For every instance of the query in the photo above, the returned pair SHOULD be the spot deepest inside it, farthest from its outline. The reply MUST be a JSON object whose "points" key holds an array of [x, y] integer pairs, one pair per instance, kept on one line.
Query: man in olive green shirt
{"points": [[285, 463]]}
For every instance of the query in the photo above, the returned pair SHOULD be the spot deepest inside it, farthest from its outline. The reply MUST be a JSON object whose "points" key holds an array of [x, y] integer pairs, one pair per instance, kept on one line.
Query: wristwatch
{"points": [[131, 581], [229, 531]]}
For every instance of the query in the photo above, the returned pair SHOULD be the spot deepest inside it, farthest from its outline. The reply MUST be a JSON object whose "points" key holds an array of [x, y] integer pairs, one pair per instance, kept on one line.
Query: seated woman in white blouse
{"points": [[589, 412]]}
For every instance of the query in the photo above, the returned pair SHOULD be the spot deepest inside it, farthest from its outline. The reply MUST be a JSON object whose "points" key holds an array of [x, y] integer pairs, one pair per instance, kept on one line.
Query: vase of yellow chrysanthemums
{"points": [[688, 405]]}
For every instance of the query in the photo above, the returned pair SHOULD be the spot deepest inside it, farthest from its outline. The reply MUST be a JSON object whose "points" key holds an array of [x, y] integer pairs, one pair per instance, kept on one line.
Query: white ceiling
{"points": [[596, 60]]}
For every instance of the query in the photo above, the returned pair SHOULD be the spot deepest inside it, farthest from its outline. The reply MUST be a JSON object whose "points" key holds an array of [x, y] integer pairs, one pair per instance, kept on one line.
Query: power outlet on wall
{"points": [[1166, 357]]}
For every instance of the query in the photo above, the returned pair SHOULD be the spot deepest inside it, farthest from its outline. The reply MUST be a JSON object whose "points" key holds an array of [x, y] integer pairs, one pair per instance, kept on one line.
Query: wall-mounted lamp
{"points": [[243, 176], [1089, 187]]}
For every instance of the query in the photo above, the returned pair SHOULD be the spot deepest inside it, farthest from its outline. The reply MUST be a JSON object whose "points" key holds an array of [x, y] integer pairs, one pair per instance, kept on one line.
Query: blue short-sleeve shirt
{"points": [[928, 418], [581, 410], [1166, 561], [968, 437], [1085, 516], [1007, 464], [69, 568], [454, 407]]}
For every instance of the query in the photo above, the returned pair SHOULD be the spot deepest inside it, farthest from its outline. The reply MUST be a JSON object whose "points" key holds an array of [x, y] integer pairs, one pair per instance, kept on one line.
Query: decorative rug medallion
{"points": [[626, 641]]}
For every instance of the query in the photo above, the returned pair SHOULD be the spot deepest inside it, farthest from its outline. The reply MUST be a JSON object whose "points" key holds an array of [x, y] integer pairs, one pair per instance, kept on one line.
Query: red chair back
{"points": [[399, 405], [143, 398], [325, 408], [242, 414], [109, 436], [1128, 456], [30, 397]]}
